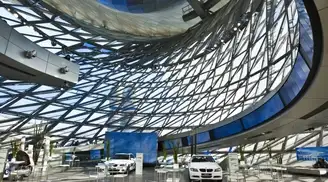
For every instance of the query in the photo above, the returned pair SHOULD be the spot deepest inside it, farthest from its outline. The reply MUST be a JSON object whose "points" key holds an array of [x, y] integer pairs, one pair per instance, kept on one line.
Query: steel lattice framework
{"points": [[217, 69], [285, 147]]}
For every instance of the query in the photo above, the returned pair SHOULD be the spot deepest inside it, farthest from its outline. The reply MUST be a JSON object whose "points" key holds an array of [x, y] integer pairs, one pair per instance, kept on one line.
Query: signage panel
{"points": [[311, 153]]}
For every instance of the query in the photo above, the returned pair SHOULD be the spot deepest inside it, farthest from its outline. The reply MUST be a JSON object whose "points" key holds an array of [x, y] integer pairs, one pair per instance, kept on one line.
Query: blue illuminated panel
{"points": [[227, 130], [295, 81], [189, 140], [169, 144], [68, 157], [145, 143], [306, 35], [270, 108], [137, 6], [203, 137], [95, 154]]}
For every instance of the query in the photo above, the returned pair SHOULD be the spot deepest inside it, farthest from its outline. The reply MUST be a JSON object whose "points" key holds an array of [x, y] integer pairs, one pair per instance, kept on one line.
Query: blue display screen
{"points": [[145, 143], [169, 144], [137, 6], [68, 157], [295, 81], [95, 154], [227, 130], [203, 137], [311, 153], [267, 110]]}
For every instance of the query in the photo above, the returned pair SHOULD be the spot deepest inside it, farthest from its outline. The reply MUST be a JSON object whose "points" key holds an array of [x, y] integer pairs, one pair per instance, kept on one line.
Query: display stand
{"points": [[233, 162], [139, 163], [22, 144], [233, 165], [45, 155]]}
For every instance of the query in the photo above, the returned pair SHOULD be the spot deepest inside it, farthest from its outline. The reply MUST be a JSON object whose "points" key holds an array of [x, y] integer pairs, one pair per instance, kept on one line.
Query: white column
{"points": [[30, 154], [139, 163], [45, 154], [22, 144]]}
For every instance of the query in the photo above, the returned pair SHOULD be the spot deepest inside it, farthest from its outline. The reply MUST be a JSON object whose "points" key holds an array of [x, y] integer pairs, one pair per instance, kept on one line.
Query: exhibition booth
{"points": [[122, 155]]}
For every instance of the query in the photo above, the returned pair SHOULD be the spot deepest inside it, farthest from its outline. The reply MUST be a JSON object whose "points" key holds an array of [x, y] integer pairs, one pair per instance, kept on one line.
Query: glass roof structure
{"points": [[217, 69], [122, 25]]}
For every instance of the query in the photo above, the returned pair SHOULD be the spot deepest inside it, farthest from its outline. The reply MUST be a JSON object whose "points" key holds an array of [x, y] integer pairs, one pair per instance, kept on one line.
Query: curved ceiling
{"points": [[159, 24], [208, 74]]}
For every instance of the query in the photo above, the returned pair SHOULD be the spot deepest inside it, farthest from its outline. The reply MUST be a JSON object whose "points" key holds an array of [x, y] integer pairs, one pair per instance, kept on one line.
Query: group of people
{"points": [[321, 163]]}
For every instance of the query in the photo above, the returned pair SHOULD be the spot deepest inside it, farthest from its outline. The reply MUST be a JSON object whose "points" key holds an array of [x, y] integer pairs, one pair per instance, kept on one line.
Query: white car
{"points": [[204, 167], [121, 163]]}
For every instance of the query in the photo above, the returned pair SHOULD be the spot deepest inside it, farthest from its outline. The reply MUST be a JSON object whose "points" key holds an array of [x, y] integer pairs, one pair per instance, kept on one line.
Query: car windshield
{"points": [[202, 159], [121, 156]]}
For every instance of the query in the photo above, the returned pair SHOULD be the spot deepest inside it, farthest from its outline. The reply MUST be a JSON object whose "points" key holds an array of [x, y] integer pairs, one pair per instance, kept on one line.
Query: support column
{"points": [[22, 144], [195, 144], [192, 144], [30, 153], [45, 155], [319, 141]]}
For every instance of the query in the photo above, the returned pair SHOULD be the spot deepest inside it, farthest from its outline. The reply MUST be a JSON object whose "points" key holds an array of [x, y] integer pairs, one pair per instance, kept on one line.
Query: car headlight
{"points": [[217, 170], [193, 170]]}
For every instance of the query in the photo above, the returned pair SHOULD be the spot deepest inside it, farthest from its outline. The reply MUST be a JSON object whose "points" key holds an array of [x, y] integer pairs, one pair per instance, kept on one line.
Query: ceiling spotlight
{"points": [[222, 40], [238, 24], [66, 84], [68, 57], [30, 54], [15, 15], [235, 29], [64, 70], [8, 9], [53, 43]]}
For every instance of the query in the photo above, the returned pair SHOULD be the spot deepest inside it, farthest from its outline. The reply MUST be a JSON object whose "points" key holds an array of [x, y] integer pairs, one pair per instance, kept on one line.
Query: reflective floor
{"points": [[89, 174]]}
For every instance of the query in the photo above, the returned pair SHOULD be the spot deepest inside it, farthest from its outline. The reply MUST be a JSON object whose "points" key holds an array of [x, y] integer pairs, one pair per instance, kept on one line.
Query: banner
{"points": [[311, 153]]}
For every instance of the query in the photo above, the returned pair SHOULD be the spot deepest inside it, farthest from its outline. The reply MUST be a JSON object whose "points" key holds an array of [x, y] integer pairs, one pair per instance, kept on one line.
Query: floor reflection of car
{"points": [[204, 167], [182, 159], [121, 163]]}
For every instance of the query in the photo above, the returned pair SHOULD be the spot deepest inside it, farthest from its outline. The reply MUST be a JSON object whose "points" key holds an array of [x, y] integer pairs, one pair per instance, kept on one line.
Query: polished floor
{"points": [[89, 174]]}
